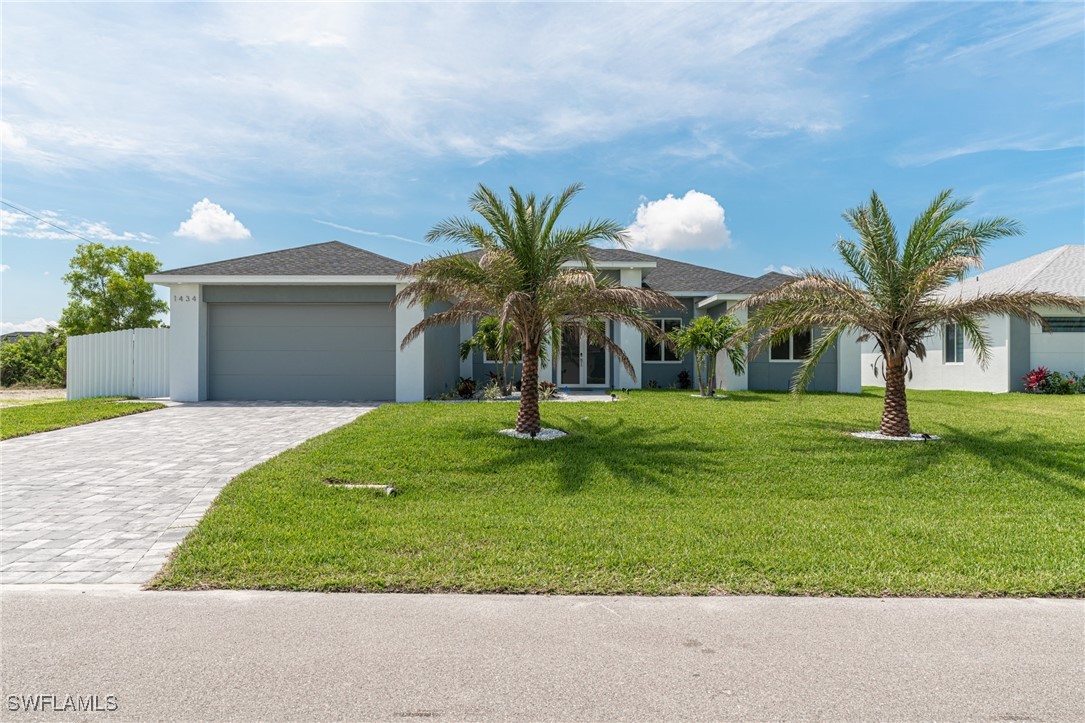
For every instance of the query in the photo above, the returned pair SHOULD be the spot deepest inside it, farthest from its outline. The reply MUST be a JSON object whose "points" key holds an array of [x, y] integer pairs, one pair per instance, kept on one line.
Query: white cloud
{"points": [[212, 223], [10, 139], [37, 324], [21, 225], [4, 267], [694, 221], [308, 87], [364, 88], [363, 232], [783, 269], [1024, 144]]}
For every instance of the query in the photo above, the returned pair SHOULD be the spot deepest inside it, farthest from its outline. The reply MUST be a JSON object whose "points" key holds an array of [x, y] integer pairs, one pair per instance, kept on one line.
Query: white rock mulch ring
{"points": [[544, 434], [887, 438]]}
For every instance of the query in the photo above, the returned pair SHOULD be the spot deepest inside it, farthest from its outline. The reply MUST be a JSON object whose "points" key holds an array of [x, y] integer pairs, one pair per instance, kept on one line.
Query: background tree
{"points": [[107, 290], [534, 276], [706, 338], [895, 294], [39, 360]]}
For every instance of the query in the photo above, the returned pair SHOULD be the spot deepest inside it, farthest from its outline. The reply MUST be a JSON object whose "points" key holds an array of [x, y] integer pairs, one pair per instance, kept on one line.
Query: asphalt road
{"points": [[302, 656]]}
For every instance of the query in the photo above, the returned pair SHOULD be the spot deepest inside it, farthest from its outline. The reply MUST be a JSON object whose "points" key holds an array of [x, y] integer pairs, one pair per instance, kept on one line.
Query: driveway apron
{"points": [[108, 501]]}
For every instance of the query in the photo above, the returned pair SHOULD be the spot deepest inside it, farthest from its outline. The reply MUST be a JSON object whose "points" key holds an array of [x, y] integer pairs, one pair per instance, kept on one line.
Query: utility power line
{"points": [[49, 223]]}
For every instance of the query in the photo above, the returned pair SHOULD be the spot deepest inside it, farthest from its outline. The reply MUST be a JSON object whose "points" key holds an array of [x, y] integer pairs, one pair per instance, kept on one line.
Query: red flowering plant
{"points": [[1042, 380], [1036, 381]]}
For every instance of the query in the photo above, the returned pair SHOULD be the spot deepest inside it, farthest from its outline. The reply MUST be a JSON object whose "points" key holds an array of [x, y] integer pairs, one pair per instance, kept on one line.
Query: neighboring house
{"points": [[1016, 345], [314, 322], [14, 336]]}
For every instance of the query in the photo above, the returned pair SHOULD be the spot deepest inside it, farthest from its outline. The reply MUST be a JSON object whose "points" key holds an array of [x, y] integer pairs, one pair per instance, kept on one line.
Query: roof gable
{"points": [[332, 258]]}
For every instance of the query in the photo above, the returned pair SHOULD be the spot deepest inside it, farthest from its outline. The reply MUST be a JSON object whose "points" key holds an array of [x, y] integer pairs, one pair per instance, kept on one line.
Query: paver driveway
{"points": [[106, 502]]}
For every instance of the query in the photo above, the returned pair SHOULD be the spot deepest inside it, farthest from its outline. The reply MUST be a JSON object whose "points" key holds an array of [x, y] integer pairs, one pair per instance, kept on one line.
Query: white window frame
{"points": [[663, 348], [958, 339], [791, 359]]}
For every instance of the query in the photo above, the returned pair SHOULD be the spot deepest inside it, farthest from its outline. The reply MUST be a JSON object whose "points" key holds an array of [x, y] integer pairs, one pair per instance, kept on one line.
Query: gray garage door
{"points": [[301, 351]]}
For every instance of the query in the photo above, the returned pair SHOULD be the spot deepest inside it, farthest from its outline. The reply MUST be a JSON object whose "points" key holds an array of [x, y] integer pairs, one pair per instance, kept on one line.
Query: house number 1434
{"points": [[183, 297]]}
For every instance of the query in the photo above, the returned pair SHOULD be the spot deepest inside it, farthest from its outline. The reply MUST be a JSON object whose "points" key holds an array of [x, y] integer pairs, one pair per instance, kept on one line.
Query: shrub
{"points": [[1042, 380], [35, 361], [547, 390], [493, 391], [465, 388], [684, 380]]}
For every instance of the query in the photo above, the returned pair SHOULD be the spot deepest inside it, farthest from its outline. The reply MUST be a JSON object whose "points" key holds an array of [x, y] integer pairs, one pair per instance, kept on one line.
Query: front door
{"points": [[583, 364]]}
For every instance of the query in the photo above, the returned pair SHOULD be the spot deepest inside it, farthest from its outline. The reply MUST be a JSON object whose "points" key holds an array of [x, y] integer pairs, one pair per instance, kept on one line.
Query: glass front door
{"points": [[595, 368], [582, 364], [570, 358]]}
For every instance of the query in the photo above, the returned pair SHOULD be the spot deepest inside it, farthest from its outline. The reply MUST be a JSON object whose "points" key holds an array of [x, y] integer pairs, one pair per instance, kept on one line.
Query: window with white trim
{"points": [[795, 348], [655, 351], [953, 348]]}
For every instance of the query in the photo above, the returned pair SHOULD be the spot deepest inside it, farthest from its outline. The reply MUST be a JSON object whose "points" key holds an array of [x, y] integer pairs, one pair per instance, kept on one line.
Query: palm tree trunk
{"points": [[710, 372], [895, 421], [527, 418]]}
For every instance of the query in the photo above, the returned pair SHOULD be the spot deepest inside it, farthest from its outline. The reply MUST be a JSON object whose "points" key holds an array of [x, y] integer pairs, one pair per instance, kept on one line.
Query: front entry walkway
{"points": [[107, 502]]}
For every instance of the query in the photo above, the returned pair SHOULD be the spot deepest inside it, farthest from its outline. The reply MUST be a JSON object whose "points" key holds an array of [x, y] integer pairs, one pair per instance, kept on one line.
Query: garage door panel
{"points": [[301, 351], [302, 362], [257, 387], [312, 315], [316, 339]]}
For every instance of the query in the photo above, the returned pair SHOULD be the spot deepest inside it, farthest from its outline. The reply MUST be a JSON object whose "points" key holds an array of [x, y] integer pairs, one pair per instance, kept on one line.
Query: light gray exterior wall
{"points": [[767, 375], [442, 355], [481, 370], [1020, 352], [665, 374]]}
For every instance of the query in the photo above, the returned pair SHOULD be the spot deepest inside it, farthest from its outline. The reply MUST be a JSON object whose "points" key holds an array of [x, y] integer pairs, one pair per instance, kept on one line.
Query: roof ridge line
{"points": [[1055, 253]]}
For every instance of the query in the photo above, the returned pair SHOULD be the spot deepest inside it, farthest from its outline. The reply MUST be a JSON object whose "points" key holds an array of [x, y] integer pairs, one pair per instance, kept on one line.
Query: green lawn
{"points": [[665, 494], [49, 415]]}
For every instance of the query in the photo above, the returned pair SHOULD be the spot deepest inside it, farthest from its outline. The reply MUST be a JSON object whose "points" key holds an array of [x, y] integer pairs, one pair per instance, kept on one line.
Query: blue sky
{"points": [[763, 122]]}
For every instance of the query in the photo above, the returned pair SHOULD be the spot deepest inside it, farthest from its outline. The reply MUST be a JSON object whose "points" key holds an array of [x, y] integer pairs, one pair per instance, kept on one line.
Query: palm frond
{"points": [[805, 373]]}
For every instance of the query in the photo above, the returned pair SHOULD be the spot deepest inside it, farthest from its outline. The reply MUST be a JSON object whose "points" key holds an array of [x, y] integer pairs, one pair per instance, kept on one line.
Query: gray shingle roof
{"points": [[1060, 270], [335, 258], [763, 283], [670, 275], [332, 258]]}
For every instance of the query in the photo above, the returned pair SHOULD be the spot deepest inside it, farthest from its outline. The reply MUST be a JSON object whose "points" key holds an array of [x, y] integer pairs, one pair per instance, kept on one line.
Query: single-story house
{"points": [[13, 336], [314, 323], [1016, 345]]}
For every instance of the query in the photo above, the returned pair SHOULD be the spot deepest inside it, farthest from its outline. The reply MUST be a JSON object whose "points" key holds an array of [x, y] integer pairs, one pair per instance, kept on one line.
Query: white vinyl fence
{"points": [[129, 363]]}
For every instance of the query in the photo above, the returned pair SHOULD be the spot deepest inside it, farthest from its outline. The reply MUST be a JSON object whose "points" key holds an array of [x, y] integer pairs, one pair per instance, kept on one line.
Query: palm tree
{"points": [[895, 295], [534, 276], [493, 340], [706, 338]]}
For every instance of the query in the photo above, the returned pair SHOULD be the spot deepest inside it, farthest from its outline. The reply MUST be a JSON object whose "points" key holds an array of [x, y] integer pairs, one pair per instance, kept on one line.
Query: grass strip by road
{"points": [[47, 416], [663, 494]]}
